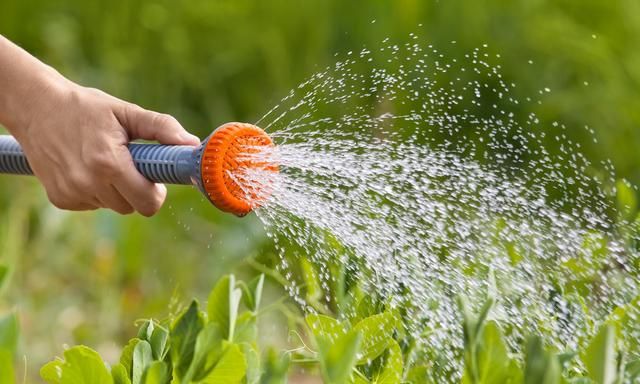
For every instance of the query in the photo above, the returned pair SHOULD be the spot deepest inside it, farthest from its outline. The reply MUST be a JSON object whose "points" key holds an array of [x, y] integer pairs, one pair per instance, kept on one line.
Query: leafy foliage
{"points": [[194, 347], [219, 345]]}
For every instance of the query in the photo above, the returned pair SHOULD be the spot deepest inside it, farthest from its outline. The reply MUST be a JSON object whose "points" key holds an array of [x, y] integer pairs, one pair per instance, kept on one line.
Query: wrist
{"points": [[28, 86], [40, 98]]}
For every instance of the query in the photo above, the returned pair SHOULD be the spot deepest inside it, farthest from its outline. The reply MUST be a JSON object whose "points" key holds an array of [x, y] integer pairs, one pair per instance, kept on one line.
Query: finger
{"points": [[112, 199], [83, 207], [70, 205], [148, 125], [144, 196]]}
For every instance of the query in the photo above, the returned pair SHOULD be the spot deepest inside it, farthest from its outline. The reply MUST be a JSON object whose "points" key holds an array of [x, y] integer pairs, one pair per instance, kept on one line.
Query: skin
{"points": [[75, 137]]}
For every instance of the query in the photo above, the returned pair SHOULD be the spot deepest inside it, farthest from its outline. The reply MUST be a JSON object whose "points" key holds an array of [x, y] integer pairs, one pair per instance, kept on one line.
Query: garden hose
{"points": [[209, 166]]}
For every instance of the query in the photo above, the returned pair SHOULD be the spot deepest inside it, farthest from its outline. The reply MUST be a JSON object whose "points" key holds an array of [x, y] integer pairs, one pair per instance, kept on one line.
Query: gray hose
{"points": [[169, 164], [12, 159]]}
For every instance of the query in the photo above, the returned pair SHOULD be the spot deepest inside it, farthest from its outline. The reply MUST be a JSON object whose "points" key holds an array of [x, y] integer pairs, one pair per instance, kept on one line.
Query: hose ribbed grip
{"points": [[12, 159], [167, 164]]}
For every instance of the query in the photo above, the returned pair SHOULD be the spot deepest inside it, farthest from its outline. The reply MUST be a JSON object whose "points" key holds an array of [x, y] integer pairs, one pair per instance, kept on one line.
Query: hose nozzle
{"points": [[225, 153]]}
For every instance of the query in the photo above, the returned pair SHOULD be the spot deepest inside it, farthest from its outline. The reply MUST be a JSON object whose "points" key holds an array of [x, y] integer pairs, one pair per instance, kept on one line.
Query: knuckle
{"points": [[104, 163], [163, 120], [130, 110], [80, 181]]}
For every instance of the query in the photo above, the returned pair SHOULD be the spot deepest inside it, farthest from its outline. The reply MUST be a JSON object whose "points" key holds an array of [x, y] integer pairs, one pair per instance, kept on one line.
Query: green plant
{"points": [[8, 345], [351, 337], [368, 345], [196, 346], [8, 337], [487, 360]]}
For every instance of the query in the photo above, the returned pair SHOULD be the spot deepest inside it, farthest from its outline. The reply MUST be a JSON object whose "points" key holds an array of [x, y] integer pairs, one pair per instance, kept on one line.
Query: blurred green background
{"points": [[86, 277]]}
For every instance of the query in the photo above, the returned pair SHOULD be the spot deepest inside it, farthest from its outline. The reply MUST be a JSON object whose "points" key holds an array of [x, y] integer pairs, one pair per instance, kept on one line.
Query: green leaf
{"points": [[257, 284], [81, 365], [253, 293], [8, 345], [9, 332], [6, 366], [482, 315], [223, 304], [142, 358], [376, 331], [252, 357], [231, 368], [218, 303], [126, 358], [84, 365], [358, 379], [472, 325], [366, 307], [600, 356], [234, 304], [393, 366], [158, 341], [276, 368], [146, 330], [4, 272], [633, 369], [325, 326], [492, 358], [626, 196], [207, 352], [313, 288], [515, 375], [417, 374], [119, 374], [564, 358], [540, 366], [338, 358], [156, 373], [246, 328], [52, 371], [183, 338]]}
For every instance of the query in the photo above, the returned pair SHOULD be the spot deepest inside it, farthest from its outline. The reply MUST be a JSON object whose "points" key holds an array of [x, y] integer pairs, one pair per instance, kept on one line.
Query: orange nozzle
{"points": [[225, 152]]}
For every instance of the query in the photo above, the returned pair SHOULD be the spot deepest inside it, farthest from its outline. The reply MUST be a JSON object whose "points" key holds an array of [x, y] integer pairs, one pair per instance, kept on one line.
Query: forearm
{"points": [[24, 83]]}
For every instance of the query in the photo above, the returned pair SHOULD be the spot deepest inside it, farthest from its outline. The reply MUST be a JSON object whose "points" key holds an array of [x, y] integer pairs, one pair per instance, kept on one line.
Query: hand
{"points": [[75, 139]]}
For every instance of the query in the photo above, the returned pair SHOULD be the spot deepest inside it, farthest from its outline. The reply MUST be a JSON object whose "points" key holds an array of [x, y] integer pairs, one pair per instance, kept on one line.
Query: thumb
{"points": [[149, 125]]}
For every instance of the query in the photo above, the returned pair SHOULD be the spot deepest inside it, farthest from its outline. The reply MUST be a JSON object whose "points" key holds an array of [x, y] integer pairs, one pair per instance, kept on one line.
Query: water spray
{"points": [[209, 166]]}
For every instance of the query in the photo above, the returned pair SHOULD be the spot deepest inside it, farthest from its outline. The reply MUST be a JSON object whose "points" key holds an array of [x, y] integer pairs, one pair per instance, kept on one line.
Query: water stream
{"points": [[427, 177]]}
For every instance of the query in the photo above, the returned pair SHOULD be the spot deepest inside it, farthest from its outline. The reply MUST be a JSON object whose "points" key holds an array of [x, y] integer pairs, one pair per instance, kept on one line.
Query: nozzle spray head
{"points": [[223, 154]]}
